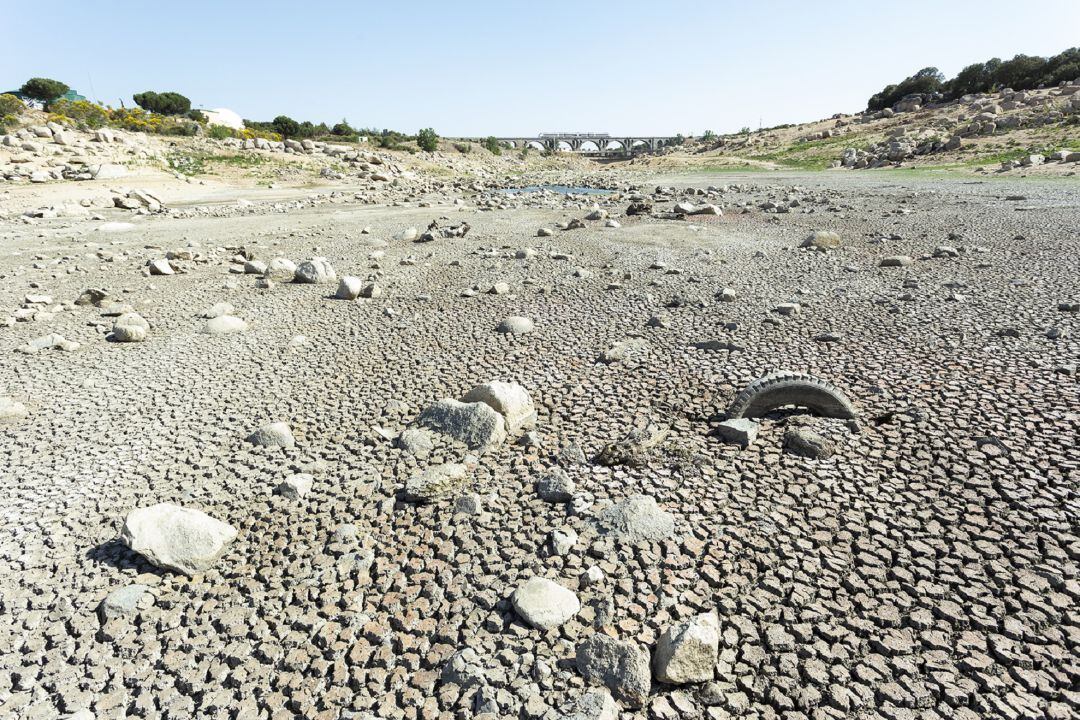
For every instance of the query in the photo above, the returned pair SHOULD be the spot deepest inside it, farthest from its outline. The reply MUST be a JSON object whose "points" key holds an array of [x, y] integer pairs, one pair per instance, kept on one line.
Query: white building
{"points": [[224, 116]]}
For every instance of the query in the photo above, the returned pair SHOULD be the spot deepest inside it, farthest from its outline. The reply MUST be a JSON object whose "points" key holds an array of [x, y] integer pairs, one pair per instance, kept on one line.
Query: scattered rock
{"points": [[276, 434], [436, 483], [621, 666], [687, 651], [545, 604], [175, 538], [636, 519]]}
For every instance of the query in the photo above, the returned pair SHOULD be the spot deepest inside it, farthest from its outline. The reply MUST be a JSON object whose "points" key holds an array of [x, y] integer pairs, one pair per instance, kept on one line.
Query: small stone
{"points": [[807, 443], [621, 666], [122, 602], [687, 652], [555, 486], [545, 604], [436, 483], [295, 487], [349, 288], [741, 431], [468, 504], [276, 434], [516, 325]]}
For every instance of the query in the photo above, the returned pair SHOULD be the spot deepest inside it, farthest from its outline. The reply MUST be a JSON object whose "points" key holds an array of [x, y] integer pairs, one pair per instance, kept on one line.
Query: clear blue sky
{"points": [[506, 68]]}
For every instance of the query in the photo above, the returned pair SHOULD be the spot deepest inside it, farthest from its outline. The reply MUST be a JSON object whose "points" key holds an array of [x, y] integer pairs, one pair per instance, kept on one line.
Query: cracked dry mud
{"points": [[926, 569]]}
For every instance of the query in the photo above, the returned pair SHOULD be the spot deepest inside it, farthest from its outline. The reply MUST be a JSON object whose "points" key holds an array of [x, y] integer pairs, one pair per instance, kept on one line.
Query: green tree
{"points": [[285, 126], [44, 89], [166, 103], [342, 128], [708, 136], [1023, 72], [975, 78], [927, 80], [427, 140], [492, 145]]}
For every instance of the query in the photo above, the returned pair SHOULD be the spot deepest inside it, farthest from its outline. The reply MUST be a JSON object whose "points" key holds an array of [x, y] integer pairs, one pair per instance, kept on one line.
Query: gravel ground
{"points": [[926, 569]]}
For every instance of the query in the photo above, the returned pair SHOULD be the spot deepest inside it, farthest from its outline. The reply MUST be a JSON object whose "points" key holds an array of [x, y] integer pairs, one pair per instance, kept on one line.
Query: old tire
{"points": [[784, 389]]}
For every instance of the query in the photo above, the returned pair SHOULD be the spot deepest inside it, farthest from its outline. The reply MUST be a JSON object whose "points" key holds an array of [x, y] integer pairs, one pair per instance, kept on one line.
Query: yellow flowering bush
{"points": [[82, 113]]}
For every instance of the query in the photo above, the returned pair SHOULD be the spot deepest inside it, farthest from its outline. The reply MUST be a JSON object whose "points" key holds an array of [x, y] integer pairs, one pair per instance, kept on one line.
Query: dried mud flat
{"points": [[925, 568]]}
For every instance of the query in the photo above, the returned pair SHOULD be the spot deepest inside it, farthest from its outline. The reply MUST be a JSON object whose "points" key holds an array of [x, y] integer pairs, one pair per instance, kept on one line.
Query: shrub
{"points": [[492, 145], [285, 126], [84, 114], [43, 89], [708, 136], [8, 121], [166, 103], [11, 105], [220, 132], [137, 120], [463, 148], [427, 140], [198, 116], [182, 128]]}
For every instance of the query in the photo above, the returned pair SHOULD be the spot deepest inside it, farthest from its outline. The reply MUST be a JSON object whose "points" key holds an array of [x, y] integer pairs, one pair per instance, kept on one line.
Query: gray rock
{"points": [[510, 400], [121, 602], [741, 431], [555, 486], [636, 519], [563, 541], [11, 410], [687, 652], [224, 325], [349, 288], [280, 269], [516, 325], [822, 240], [176, 538], [593, 704], [316, 271], [474, 423], [295, 487], [273, 435], [130, 327], [416, 442], [896, 261], [807, 443], [468, 504], [545, 604], [436, 483], [621, 666]]}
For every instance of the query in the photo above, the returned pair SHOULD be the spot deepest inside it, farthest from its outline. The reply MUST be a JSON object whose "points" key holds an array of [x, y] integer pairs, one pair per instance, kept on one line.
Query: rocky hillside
{"points": [[999, 131]]}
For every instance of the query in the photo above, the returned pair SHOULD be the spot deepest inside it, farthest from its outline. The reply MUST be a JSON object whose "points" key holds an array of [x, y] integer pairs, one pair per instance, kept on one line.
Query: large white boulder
{"points": [[176, 538]]}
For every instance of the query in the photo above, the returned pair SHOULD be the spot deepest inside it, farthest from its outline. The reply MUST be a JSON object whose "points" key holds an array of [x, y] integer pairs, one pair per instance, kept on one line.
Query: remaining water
{"points": [[562, 189]]}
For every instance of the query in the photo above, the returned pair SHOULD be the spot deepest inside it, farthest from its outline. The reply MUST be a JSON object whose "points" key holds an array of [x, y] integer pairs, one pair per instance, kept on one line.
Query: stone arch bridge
{"points": [[591, 143]]}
